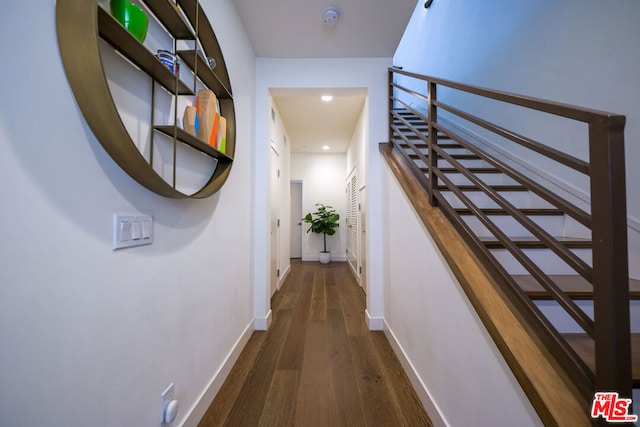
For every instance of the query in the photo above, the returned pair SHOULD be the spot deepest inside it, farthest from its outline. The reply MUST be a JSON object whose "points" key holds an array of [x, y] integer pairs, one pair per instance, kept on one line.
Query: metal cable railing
{"points": [[448, 132]]}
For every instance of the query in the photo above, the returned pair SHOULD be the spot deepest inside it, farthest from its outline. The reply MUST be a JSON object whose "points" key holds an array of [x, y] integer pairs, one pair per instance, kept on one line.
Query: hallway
{"points": [[318, 364]]}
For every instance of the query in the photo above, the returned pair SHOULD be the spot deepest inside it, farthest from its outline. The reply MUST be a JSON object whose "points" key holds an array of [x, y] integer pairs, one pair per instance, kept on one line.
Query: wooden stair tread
{"points": [[472, 170], [584, 346], [526, 211], [411, 135], [404, 112], [455, 156], [407, 132], [575, 286], [447, 145], [410, 119], [528, 242], [416, 124], [496, 187]]}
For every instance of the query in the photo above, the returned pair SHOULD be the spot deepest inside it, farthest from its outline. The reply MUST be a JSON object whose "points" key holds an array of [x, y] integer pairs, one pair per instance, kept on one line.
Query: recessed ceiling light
{"points": [[326, 98], [325, 147]]}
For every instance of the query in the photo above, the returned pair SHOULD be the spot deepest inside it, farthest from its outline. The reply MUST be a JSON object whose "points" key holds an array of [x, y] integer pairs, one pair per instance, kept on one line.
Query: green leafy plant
{"points": [[324, 221]]}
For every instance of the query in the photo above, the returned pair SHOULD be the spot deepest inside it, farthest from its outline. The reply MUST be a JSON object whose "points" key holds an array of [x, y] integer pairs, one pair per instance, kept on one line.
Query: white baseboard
{"points": [[336, 258], [423, 393], [374, 323], [198, 410], [284, 276], [262, 324]]}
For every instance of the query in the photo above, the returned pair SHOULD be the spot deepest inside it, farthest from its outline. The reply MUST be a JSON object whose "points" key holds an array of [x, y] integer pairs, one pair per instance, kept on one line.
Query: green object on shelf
{"points": [[131, 17]]}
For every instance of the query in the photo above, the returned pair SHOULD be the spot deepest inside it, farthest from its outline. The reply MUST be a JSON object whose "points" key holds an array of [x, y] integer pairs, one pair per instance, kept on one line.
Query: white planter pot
{"points": [[324, 257]]}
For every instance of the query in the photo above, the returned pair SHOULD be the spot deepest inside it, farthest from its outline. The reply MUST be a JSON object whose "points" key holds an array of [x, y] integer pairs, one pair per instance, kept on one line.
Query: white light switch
{"points": [[146, 229], [132, 230], [124, 228], [136, 229]]}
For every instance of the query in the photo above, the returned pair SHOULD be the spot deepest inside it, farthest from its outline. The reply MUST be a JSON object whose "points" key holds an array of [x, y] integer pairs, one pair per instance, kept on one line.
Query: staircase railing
{"points": [[425, 128]]}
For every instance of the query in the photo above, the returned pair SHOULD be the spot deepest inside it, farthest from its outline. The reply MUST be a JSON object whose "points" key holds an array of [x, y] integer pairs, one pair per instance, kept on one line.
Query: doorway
{"points": [[296, 219]]}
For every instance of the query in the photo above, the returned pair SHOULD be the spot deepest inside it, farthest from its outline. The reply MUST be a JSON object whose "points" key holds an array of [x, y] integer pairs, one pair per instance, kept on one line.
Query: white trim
{"points": [[374, 323], [353, 169], [355, 274], [262, 324], [282, 278], [425, 397], [197, 411], [336, 258]]}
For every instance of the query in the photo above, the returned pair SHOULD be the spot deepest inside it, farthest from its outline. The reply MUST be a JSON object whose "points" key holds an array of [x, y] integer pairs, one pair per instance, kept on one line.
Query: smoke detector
{"points": [[330, 16]]}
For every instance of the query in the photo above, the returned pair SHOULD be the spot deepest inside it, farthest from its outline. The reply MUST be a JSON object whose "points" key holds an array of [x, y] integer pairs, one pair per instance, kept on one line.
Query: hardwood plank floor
{"points": [[318, 364]]}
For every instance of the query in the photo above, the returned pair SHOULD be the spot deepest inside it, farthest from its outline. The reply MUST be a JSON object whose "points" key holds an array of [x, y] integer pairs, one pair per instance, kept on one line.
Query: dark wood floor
{"points": [[318, 364]]}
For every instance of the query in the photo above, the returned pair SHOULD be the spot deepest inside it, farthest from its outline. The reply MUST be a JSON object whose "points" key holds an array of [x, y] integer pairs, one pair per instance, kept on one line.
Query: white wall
{"points": [[323, 181], [90, 336], [356, 153], [458, 371], [580, 52], [370, 73]]}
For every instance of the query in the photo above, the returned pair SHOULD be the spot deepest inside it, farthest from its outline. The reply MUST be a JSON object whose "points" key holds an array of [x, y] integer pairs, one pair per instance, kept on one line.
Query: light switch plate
{"points": [[132, 230]]}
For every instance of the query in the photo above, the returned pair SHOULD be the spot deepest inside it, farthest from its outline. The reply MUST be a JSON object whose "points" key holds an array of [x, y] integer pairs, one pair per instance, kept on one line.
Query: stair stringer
{"points": [[551, 392]]}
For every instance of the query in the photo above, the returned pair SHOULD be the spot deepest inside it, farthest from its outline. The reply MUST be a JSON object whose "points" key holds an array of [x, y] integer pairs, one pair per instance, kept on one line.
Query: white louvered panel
{"points": [[352, 222]]}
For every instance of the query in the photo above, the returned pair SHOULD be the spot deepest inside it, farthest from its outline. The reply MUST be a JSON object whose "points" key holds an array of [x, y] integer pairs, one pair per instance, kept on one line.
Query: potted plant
{"points": [[324, 221]]}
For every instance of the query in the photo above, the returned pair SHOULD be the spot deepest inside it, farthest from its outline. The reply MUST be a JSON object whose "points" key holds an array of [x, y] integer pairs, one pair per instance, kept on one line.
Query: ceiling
{"points": [[295, 29], [313, 123]]}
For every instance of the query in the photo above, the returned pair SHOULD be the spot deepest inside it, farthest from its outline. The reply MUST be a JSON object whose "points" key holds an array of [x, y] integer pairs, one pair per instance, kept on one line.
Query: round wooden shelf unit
{"points": [[80, 25]]}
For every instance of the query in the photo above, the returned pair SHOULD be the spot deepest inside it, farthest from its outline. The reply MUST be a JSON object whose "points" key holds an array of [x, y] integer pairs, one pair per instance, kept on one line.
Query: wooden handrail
{"points": [[608, 269], [586, 115]]}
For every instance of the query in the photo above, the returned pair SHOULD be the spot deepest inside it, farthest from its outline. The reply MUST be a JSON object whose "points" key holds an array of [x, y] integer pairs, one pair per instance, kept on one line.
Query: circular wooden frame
{"points": [[78, 37]]}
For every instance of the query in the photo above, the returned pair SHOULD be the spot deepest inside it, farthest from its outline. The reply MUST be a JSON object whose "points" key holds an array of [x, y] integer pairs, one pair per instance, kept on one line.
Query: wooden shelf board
{"points": [[172, 20], [208, 77], [207, 38], [115, 34], [194, 142]]}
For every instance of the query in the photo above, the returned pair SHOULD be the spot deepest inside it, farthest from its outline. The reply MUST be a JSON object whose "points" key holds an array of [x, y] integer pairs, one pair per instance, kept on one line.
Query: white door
{"points": [[275, 220], [296, 219]]}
